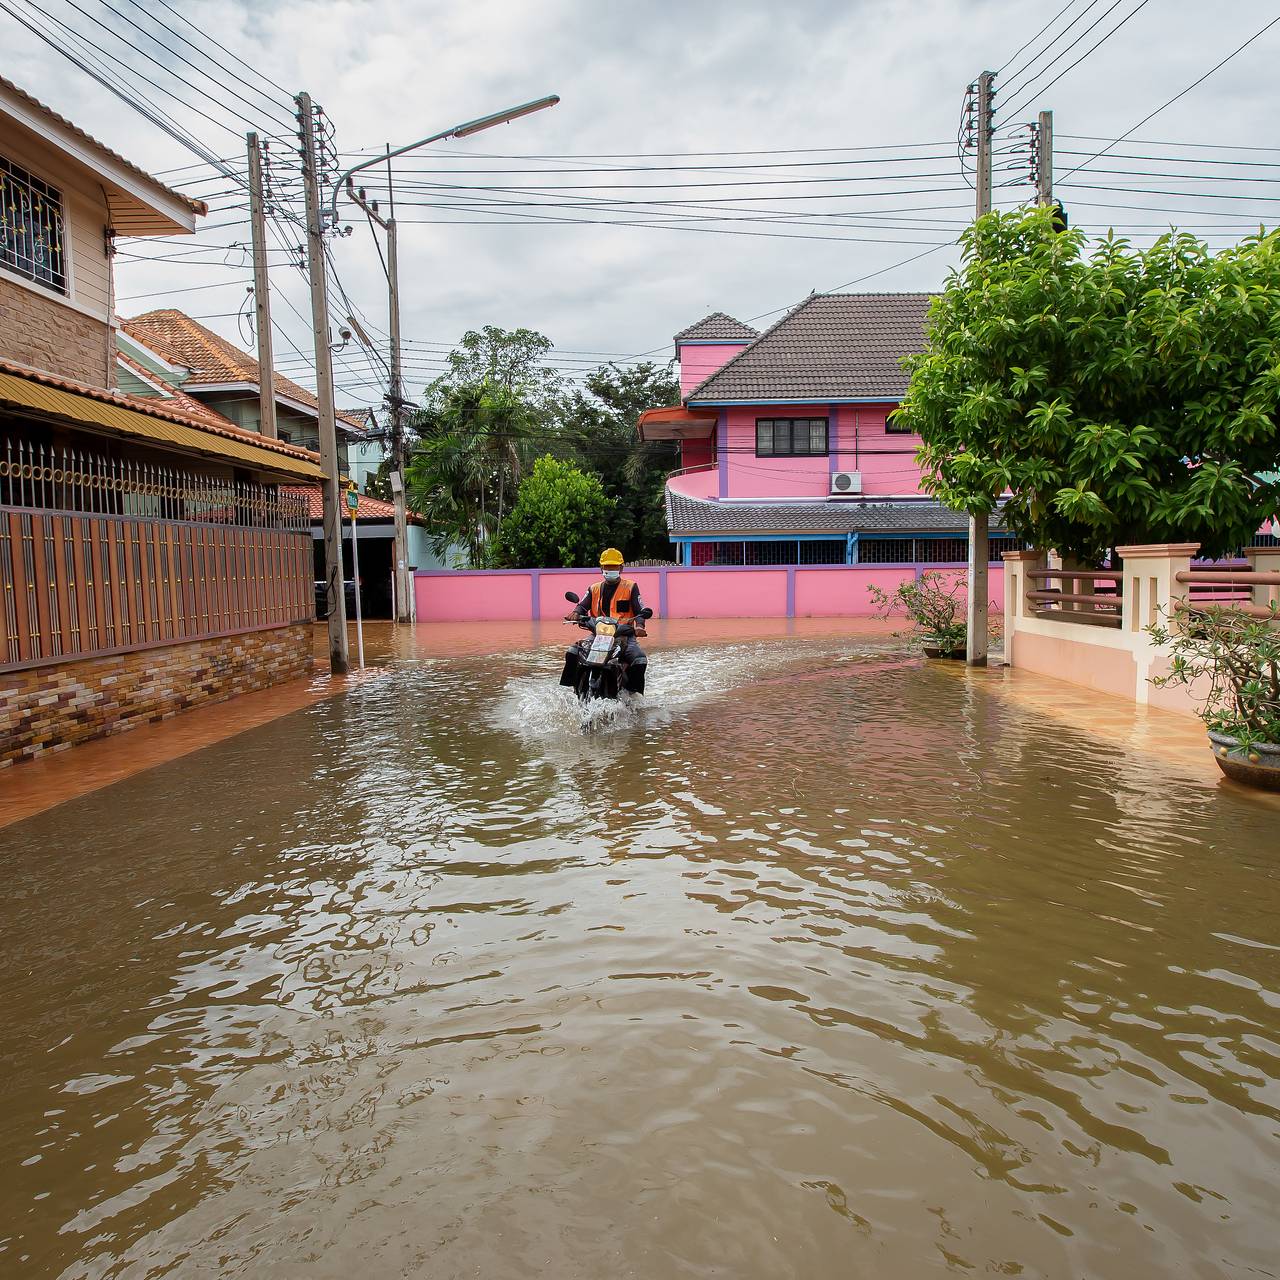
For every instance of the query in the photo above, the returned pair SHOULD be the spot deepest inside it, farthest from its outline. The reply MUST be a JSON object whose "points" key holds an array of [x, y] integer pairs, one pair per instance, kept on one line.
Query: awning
{"points": [[25, 393], [676, 423]]}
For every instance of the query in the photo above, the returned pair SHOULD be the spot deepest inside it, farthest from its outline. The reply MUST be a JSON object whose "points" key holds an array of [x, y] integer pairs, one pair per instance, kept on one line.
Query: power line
{"points": [[1015, 75], [206, 36], [1034, 38], [204, 53], [114, 84], [1182, 93], [122, 63], [142, 30], [1034, 93]]}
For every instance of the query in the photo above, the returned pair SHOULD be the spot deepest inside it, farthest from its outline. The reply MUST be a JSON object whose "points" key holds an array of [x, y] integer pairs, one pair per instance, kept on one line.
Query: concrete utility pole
{"points": [[335, 597], [403, 613], [395, 402], [1044, 159], [261, 292], [979, 529], [403, 594]]}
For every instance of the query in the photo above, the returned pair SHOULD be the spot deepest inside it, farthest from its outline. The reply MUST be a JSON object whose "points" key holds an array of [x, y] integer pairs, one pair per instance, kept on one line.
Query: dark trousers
{"points": [[634, 663]]}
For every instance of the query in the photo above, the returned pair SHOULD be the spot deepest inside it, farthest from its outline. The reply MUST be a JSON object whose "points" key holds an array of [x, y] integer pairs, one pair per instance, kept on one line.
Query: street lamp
{"points": [[464, 130]]}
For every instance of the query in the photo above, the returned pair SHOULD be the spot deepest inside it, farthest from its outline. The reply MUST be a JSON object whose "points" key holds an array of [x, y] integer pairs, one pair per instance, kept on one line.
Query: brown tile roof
{"points": [[213, 423], [197, 206], [717, 325], [833, 346], [370, 508], [687, 515], [181, 340]]}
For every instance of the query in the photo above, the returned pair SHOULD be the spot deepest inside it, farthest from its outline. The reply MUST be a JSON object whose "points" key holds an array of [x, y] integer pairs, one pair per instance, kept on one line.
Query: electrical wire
{"points": [[1036, 92], [1015, 76], [1017, 52], [286, 103], [1180, 94]]}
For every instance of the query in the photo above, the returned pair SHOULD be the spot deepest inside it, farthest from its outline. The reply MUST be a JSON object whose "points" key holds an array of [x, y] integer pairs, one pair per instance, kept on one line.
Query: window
{"points": [[286, 437], [31, 227], [894, 427], [791, 437], [772, 552]]}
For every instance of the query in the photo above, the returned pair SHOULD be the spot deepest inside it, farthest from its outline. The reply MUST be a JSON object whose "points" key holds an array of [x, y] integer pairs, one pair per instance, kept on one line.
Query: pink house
{"points": [[789, 452]]}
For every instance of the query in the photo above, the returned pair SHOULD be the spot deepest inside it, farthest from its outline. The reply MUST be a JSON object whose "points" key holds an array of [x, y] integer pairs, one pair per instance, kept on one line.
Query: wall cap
{"points": [[1022, 555], [1159, 551]]}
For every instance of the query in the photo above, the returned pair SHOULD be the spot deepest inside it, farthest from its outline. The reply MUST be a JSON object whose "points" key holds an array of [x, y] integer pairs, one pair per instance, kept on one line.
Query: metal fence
{"points": [[99, 556], [779, 551], [929, 550], [56, 478]]}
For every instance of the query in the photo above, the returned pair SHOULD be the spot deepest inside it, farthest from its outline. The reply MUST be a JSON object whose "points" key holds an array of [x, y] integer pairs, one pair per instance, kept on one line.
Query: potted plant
{"points": [[1233, 661], [935, 606]]}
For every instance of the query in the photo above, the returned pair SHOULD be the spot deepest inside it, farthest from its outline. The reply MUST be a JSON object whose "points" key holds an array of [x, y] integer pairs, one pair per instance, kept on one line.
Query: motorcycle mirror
{"points": [[646, 612], [571, 596]]}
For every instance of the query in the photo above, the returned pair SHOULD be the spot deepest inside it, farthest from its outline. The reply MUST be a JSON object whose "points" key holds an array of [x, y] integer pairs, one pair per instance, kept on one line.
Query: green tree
{"points": [[471, 451], [599, 423], [516, 360], [561, 519], [1127, 397]]}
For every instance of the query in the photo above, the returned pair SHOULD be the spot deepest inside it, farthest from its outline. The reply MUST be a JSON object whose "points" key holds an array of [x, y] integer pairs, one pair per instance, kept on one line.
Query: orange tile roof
{"points": [[370, 508], [174, 397], [181, 340], [213, 423]]}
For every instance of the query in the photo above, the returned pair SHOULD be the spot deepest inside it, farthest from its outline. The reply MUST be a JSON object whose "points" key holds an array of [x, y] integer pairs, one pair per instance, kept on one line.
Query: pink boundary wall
{"points": [[785, 591]]}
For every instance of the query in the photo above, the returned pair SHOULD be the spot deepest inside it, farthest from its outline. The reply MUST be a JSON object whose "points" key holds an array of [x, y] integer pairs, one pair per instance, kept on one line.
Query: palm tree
{"points": [[474, 448]]}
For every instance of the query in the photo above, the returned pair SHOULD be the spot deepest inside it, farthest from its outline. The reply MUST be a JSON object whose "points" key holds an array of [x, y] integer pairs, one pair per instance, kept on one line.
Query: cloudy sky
{"points": [[777, 147]]}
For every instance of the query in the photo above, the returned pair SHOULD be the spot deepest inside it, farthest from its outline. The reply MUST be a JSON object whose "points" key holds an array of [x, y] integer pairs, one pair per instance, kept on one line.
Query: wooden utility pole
{"points": [[1044, 159], [261, 292], [335, 598], [979, 529]]}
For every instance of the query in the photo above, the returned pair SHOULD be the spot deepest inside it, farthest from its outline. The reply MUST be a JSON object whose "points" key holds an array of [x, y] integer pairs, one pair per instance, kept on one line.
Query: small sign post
{"points": [[353, 503]]}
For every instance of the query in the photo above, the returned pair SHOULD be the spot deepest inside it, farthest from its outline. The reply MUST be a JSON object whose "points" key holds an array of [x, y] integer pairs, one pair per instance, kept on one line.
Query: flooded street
{"points": [[828, 962]]}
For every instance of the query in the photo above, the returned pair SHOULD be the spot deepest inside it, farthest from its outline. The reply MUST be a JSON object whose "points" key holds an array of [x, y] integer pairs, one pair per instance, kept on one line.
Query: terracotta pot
{"points": [[1258, 767]]}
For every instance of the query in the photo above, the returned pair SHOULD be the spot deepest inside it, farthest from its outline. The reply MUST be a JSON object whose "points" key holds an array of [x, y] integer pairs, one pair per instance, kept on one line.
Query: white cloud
{"points": [[656, 77]]}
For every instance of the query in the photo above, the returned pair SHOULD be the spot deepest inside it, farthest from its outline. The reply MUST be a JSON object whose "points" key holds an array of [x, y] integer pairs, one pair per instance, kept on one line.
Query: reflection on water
{"points": [[821, 962]]}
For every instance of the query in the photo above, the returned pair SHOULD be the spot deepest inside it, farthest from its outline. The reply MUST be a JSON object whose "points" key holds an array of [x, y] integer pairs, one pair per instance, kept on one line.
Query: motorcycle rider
{"points": [[617, 597]]}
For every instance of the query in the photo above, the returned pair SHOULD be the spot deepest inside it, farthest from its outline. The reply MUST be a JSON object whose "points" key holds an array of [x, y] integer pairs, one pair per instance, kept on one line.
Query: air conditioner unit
{"points": [[846, 484]]}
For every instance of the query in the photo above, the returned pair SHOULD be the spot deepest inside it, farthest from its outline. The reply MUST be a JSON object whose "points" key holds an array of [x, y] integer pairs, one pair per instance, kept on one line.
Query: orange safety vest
{"points": [[620, 605]]}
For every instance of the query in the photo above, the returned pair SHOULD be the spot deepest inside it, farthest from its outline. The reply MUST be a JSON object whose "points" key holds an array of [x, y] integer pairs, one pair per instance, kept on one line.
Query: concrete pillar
{"points": [[1017, 565], [1151, 588], [1264, 560]]}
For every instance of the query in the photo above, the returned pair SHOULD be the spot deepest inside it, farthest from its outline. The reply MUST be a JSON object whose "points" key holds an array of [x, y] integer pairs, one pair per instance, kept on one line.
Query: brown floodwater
{"points": [[827, 963]]}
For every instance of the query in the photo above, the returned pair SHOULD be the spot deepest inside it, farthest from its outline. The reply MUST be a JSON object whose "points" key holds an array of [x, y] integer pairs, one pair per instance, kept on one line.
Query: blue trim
{"points": [[834, 536], [715, 404], [851, 549], [714, 342]]}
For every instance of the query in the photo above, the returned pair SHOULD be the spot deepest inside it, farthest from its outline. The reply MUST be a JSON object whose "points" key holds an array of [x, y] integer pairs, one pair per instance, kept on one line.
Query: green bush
{"points": [[561, 519]]}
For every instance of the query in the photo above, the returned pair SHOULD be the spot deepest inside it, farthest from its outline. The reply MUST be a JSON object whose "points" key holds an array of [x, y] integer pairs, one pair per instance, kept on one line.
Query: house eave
{"points": [[139, 205]]}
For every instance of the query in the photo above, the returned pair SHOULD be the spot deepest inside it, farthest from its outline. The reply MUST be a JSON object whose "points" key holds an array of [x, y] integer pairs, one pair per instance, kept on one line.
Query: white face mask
{"points": [[612, 575]]}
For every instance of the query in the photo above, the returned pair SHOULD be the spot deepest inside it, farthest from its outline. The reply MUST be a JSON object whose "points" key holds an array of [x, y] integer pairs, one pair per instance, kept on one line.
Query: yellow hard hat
{"points": [[611, 558]]}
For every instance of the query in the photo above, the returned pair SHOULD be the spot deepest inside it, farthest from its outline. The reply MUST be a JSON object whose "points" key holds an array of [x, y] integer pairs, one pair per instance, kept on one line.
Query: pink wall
{"points": [[697, 453], [858, 440], [832, 591], [696, 484], [700, 362]]}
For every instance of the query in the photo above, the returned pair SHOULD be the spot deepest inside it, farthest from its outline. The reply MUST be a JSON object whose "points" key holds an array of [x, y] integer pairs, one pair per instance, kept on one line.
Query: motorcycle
{"points": [[600, 671]]}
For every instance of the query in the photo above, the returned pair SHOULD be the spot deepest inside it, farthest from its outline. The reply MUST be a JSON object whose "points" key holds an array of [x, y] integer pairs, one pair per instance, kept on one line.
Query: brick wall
{"points": [[46, 708], [49, 335]]}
